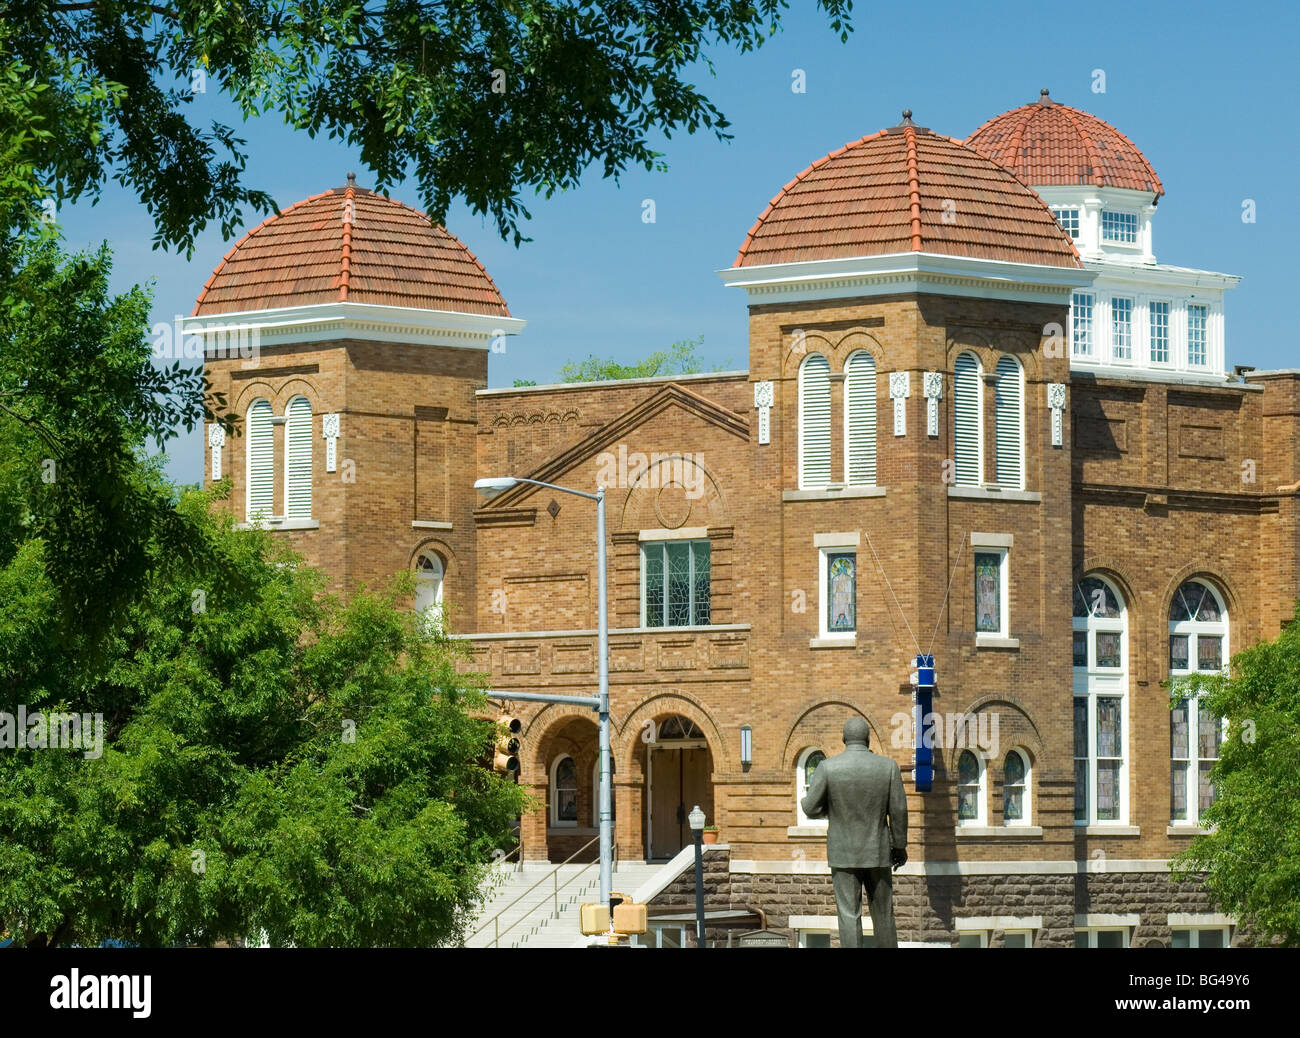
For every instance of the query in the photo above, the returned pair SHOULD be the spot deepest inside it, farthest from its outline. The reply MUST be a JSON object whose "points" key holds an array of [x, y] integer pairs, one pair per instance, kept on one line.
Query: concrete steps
{"points": [[535, 921]]}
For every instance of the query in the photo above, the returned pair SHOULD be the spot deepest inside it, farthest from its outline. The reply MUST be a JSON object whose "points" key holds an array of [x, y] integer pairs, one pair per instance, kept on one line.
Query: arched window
{"points": [[970, 789], [297, 459], [1009, 414], [260, 461], [968, 420], [814, 421], [1015, 788], [860, 420], [564, 794], [804, 769], [1100, 703], [428, 587], [1198, 641]]}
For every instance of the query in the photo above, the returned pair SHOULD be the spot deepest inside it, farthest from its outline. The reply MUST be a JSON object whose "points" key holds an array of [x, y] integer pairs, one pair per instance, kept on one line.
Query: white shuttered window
{"points": [[297, 459], [260, 462], [968, 434], [814, 421], [860, 420], [1009, 397]]}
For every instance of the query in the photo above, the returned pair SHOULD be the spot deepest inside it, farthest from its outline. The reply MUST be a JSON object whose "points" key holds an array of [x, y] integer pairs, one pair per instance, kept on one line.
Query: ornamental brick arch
{"points": [[672, 490], [820, 725], [662, 705], [1199, 571], [257, 389], [853, 341], [297, 386], [803, 344], [555, 732], [1016, 730]]}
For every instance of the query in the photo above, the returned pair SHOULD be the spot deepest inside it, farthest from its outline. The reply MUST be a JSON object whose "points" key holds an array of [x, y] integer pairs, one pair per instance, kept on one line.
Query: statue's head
{"points": [[856, 732]]}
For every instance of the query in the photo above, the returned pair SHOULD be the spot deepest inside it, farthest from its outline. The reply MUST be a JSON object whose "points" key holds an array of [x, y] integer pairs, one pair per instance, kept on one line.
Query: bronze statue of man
{"points": [[862, 794]]}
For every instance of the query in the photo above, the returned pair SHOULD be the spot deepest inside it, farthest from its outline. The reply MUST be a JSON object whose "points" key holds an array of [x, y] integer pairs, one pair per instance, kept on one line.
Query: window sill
{"points": [[993, 493], [809, 830], [993, 641], [828, 494], [280, 524], [1107, 830], [1189, 830], [833, 643], [1013, 831]]}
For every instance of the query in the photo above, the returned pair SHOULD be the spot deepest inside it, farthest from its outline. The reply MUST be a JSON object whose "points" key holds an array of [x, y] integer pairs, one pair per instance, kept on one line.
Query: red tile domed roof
{"points": [[906, 189], [350, 245], [1049, 143]]}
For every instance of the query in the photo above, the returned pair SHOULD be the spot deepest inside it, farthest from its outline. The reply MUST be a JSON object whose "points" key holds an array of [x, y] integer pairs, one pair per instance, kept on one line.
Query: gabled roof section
{"points": [[672, 395]]}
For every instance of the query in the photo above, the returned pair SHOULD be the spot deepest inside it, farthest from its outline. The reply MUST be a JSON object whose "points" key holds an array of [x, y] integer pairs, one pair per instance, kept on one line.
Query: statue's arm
{"points": [[897, 810], [814, 802]]}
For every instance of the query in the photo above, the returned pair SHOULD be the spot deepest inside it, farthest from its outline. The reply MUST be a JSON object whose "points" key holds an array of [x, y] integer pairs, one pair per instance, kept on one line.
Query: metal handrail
{"points": [[553, 874]]}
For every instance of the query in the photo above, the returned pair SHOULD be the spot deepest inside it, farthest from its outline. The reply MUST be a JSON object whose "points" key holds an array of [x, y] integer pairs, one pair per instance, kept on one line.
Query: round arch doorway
{"points": [[679, 770]]}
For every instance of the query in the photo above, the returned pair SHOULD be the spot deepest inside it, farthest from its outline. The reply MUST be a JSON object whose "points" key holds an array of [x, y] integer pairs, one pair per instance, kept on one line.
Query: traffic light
{"points": [[506, 758]]}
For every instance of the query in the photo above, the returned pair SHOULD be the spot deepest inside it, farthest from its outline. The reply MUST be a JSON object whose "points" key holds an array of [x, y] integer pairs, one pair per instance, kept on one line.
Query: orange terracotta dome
{"points": [[350, 245], [1049, 143], [906, 189]]}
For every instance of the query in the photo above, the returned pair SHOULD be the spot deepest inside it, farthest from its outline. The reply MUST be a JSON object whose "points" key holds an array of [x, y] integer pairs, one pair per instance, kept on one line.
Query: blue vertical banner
{"points": [[923, 696]]}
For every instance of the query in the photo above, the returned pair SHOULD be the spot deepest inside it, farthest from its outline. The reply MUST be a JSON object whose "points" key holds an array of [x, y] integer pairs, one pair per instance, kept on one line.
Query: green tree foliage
{"points": [[1252, 858], [274, 761], [681, 358], [478, 100]]}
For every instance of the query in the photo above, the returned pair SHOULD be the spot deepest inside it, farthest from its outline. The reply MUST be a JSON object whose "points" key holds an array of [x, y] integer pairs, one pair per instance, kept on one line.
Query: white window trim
{"points": [[1149, 339], [1093, 682], [823, 589], [1001, 637], [1028, 820], [1018, 483], [432, 611], [1193, 629], [555, 821], [290, 484], [1196, 929], [980, 474], [1125, 932], [875, 421], [981, 819], [1135, 244], [268, 516], [1132, 357], [1091, 352], [801, 790]]}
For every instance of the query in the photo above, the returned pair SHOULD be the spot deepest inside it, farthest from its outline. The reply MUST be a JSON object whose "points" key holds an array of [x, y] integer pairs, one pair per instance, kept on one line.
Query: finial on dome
{"points": [[1044, 98], [907, 117], [352, 180]]}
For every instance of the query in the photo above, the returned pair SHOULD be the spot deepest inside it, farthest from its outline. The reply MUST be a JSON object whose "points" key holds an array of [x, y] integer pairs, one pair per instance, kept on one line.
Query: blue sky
{"points": [[1207, 91]]}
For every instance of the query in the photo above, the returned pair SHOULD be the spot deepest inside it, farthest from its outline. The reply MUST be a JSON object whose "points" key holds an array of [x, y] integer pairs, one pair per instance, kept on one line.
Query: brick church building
{"points": [[979, 420]]}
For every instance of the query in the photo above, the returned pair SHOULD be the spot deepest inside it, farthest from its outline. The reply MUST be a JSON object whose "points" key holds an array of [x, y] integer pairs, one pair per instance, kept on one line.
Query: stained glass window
{"points": [[810, 765], [988, 592], [676, 583], [1080, 648], [1179, 746], [968, 787], [1178, 652], [841, 592], [1110, 751], [1108, 648], [1013, 788], [1209, 652]]}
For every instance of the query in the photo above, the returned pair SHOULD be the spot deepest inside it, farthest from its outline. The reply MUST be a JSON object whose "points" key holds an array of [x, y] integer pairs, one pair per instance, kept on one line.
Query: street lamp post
{"points": [[696, 818], [490, 488]]}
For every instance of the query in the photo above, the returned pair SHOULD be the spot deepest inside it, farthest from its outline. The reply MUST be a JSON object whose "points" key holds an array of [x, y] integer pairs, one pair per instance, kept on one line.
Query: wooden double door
{"points": [[678, 780]]}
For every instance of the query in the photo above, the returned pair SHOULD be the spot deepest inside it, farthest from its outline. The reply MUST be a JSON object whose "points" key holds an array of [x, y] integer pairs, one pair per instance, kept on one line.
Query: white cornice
{"points": [[1163, 275], [324, 322], [906, 272]]}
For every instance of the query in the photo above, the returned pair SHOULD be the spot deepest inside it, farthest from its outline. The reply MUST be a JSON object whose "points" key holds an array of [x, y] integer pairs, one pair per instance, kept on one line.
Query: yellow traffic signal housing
{"points": [[506, 757], [594, 919]]}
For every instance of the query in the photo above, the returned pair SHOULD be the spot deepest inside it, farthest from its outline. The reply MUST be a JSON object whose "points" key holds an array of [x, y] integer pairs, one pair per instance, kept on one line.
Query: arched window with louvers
{"points": [[1009, 419], [260, 461], [860, 420], [814, 421], [297, 459], [968, 424]]}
